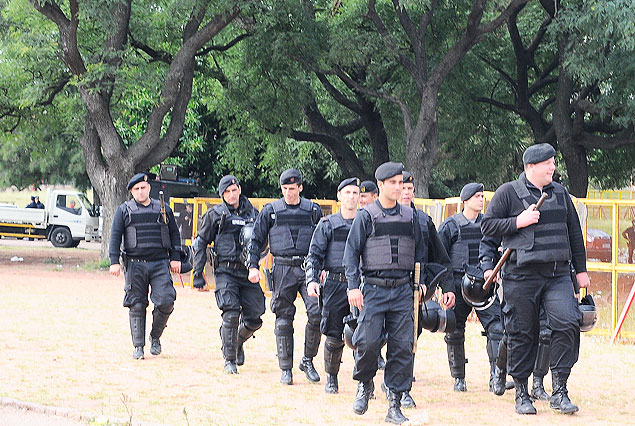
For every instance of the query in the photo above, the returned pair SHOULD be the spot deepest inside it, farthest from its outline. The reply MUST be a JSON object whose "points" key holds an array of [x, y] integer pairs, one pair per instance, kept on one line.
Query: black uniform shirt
{"points": [[264, 222], [361, 229], [116, 235], [322, 237], [208, 229], [502, 211]]}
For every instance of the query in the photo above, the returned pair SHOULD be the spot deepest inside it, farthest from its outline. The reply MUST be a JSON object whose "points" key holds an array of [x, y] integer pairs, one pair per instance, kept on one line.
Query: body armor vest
{"points": [[391, 245], [335, 249], [292, 230], [465, 248], [227, 242], [142, 227], [547, 240]]}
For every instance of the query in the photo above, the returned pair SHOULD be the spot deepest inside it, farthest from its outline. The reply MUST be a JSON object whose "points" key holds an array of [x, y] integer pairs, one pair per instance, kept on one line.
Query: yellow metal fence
{"points": [[605, 224]]}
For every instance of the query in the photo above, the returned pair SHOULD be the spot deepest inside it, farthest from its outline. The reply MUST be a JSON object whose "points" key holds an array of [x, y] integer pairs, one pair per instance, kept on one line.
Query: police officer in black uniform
{"points": [[325, 254], [368, 193], [152, 248], [387, 237], [461, 236], [434, 251], [545, 243], [289, 223], [241, 301]]}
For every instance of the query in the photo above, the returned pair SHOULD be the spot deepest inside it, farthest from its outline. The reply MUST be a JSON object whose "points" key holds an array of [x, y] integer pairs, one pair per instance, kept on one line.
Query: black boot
{"points": [[306, 365], [160, 315], [523, 402], [138, 352], [230, 367], [245, 331], [287, 377], [332, 359], [460, 385], [137, 315], [364, 393], [312, 338], [498, 383], [407, 401], [394, 409], [155, 345], [331, 384], [538, 392], [560, 398]]}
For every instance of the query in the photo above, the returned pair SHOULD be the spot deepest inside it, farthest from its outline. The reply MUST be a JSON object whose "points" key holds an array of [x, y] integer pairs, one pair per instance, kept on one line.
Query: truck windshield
{"points": [[87, 204]]}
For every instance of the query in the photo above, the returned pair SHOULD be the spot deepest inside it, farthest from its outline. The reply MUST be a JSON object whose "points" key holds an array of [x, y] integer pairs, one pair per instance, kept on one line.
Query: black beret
{"points": [[346, 182], [470, 189], [388, 170], [139, 177], [291, 176], [32, 197], [538, 153], [225, 182], [408, 178], [368, 186]]}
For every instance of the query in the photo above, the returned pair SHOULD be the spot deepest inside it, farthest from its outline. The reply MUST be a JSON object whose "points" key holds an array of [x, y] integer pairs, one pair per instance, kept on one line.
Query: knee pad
{"points": [[165, 309], [333, 344], [495, 331], [314, 321], [252, 325], [138, 308], [230, 318], [283, 327], [455, 338]]}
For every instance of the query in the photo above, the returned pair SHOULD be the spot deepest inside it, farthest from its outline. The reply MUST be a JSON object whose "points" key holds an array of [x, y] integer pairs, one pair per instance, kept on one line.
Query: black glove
{"points": [[199, 281]]}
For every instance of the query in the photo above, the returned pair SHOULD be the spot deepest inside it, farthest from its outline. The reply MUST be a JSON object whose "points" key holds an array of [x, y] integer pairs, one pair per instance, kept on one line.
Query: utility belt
{"points": [[387, 282], [336, 276], [236, 266], [289, 261], [135, 259]]}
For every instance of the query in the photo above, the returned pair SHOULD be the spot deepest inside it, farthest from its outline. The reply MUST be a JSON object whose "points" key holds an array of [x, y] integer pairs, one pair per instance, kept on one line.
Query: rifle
{"points": [[508, 252], [417, 277]]}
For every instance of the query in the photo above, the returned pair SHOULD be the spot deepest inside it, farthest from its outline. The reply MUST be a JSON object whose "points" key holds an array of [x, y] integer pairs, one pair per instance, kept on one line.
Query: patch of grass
{"points": [[99, 265], [53, 260]]}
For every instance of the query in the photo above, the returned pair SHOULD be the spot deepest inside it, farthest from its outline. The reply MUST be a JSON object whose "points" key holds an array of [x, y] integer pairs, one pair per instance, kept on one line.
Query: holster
{"points": [[124, 261], [268, 279], [320, 299], [212, 258], [574, 279]]}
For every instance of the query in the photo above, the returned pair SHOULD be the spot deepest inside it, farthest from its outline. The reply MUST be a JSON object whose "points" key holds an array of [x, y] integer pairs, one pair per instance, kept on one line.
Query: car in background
{"points": [[598, 245]]}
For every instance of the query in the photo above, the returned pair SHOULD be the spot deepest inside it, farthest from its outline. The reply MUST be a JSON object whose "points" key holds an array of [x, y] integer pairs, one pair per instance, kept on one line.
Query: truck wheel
{"points": [[75, 243], [61, 237]]}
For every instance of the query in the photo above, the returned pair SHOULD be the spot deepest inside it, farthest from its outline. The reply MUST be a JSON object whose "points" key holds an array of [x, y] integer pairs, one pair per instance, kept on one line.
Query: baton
{"points": [[508, 252], [417, 276]]}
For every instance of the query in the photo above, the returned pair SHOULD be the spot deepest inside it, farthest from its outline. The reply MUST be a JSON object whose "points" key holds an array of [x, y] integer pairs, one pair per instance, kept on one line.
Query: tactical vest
{"points": [[547, 240], [292, 230], [142, 227], [465, 248], [335, 249], [227, 242], [391, 245]]}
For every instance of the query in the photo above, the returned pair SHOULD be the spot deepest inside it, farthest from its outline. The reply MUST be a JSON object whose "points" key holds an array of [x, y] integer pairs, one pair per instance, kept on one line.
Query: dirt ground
{"points": [[65, 342]]}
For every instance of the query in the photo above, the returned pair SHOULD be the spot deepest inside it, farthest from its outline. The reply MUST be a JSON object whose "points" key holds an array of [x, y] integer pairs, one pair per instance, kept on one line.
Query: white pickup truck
{"points": [[67, 218]]}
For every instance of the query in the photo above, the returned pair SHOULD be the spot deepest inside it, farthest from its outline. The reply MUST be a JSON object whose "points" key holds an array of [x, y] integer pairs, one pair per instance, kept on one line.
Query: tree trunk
{"points": [[422, 144], [574, 154]]}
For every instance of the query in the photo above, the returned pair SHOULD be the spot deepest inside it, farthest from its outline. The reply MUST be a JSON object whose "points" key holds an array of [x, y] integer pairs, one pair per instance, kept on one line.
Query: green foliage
{"points": [[600, 51]]}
